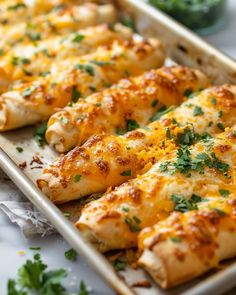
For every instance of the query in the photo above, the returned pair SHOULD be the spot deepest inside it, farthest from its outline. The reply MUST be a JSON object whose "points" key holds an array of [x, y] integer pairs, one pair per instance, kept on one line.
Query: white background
{"points": [[53, 247]]}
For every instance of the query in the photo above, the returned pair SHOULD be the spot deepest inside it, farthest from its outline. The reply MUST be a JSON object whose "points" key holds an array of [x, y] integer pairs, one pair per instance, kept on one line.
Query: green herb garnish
{"points": [[19, 149], [75, 94], [224, 193], [78, 38], [133, 223], [126, 173], [119, 265], [197, 111], [87, 68], [39, 134], [77, 178], [71, 255], [132, 125], [161, 112]]}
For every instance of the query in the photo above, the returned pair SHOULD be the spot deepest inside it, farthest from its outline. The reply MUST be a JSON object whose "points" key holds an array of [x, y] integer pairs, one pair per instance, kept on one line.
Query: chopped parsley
{"points": [[19, 61], [119, 265], [220, 212], [128, 22], [154, 103], [188, 137], [1, 52], [132, 125], [185, 164], [87, 68], [125, 209], [176, 239], [39, 134], [197, 111], [83, 289], [220, 114], [28, 91], [133, 223], [183, 205], [75, 94], [16, 6], [221, 126], [35, 248], [33, 36], [19, 149], [224, 193], [126, 173], [77, 178], [64, 120], [44, 74], [78, 38], [213, 101], [188, 92], [46, 52], [161, 112], [101, 63], [71, 255], [119, 131]]}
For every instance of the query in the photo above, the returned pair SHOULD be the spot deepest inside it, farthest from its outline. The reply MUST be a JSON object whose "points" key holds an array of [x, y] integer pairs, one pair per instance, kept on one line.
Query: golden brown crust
{"points": [[201, 172], [72, 78], [191, 243], [136, 99]]}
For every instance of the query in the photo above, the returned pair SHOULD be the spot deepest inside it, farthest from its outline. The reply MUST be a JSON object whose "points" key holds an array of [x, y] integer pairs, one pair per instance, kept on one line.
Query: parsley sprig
{"points": [[185, 163], [34, 279]]}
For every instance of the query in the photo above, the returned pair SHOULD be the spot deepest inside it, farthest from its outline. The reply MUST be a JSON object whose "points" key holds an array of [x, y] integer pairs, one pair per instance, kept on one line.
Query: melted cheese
{"points": [[135, 99]]}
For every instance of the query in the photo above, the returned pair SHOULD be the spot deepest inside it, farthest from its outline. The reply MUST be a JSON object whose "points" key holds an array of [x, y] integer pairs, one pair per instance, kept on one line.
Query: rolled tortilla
{"points": [[132, 100], [186, 245], [15, 11], [59, 21], [24, 61], [76, 77], [114, 220], [125, 156]]}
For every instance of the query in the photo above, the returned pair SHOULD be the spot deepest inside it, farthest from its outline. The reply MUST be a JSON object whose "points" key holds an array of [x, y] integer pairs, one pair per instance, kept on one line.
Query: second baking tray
{"points": [[182, 47]]}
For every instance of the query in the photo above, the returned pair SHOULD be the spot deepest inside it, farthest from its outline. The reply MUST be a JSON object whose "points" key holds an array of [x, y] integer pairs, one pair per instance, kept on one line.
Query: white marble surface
{"points": [[53, 247]]}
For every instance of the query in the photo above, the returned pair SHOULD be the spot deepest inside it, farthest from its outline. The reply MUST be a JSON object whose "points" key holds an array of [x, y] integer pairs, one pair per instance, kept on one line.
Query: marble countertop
{"points": [[53, 247]]}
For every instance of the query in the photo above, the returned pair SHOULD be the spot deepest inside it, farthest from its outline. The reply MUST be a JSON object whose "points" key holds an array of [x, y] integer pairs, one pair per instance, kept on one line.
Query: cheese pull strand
{"points": [[75, 78], [129, 104], [25, 61], [108, 160], [186, 245]]}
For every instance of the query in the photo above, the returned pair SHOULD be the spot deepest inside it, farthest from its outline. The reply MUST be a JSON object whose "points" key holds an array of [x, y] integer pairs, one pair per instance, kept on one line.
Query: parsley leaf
{"points": [[78, 38], [126, 173], [197, 111], [119, 264], [34, 279], [176, 239], [224, 193], [39, 134], [71, 255], [133, 223], [161, 112], [83, 289], [19, 149], [77, 178], [132, 125], [183, 205], [75, 94], [86, 67]]}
